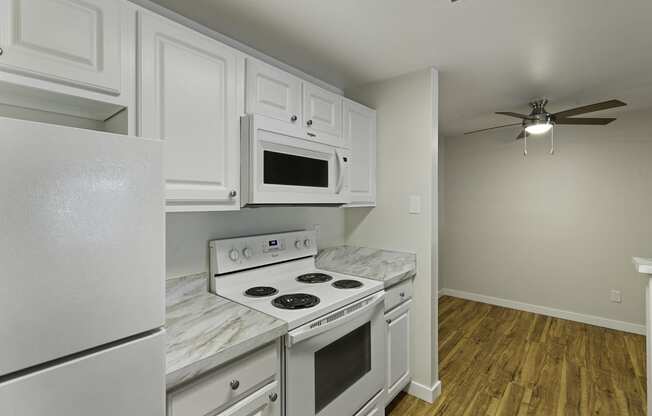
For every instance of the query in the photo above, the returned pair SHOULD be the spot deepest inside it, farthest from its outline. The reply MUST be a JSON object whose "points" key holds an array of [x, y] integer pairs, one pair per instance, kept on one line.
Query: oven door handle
{"points": [[335, 319]]}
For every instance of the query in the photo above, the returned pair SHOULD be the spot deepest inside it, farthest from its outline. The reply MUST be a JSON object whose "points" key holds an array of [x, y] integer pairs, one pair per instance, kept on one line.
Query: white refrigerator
{"points": [[81, 272]]}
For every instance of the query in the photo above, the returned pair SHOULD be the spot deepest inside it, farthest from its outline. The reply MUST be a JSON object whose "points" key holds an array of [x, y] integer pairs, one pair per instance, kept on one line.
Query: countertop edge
{"points": [[198, 368]]}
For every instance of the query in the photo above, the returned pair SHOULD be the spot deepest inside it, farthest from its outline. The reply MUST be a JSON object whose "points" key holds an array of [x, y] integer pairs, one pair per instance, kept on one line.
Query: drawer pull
{"points": [[273, 397], [234, 384], [1, 51], [309, 123], [389, 321], [312, 134], [293, 118], [402, 294]]}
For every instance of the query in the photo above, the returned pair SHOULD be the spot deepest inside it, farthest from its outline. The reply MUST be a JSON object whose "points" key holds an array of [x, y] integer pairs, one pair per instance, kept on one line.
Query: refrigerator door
{"points": [[82, 244], [127, 380]]}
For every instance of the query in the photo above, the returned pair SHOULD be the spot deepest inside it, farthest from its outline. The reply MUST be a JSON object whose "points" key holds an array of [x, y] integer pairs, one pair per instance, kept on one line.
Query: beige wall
{"points": [[557, 231], [187, 234], [407, 145]]}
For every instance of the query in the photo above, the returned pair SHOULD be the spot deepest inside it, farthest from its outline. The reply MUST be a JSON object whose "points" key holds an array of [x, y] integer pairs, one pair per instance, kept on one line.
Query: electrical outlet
{"points": [[615, 296]]}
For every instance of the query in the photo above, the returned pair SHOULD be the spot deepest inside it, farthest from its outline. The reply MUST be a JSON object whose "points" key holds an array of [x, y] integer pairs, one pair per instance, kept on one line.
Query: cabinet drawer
{"points": [[398, 294], [227, 385], [263, 402]]}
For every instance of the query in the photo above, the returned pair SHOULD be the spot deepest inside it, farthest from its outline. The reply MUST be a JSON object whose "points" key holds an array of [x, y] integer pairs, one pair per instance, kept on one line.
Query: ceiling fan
{"points": [[540, 121]]}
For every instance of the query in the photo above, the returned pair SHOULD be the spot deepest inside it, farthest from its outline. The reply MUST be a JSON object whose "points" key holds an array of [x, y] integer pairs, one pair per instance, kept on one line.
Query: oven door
{"points": [[281, 168], [335, 365]]}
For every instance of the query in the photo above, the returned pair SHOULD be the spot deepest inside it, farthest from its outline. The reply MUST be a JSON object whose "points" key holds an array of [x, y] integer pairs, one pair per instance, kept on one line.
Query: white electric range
{"points": [[334, 351]]}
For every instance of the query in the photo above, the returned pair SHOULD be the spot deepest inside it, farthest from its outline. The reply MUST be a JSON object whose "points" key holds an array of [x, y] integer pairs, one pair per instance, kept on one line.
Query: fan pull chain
{"points": [[524, 143], [552, 140]]}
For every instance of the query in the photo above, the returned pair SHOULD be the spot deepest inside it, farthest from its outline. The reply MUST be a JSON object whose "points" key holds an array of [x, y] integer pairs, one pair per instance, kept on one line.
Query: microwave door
{"points": [[291, 170]]}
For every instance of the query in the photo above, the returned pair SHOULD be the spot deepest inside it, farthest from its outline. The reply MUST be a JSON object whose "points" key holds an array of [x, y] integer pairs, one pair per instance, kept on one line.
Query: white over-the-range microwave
{"points": [[282, 166]]}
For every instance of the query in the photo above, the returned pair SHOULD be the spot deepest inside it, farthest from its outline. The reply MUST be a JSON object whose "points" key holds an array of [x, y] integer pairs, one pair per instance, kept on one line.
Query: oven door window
{"points": [[292, 170], [340, 364]]}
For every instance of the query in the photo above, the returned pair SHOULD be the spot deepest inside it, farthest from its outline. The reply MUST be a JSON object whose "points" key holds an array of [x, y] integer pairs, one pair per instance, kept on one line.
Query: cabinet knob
{"points": [[402, 294], [234, 384], [309, 122], [273, 397], [389, 321], [293, 118], [1, 51], [233, 194]]}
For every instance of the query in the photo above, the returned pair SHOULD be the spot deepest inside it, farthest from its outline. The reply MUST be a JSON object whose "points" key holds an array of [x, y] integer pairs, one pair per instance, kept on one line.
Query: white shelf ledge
{"points": [[643, 265]]}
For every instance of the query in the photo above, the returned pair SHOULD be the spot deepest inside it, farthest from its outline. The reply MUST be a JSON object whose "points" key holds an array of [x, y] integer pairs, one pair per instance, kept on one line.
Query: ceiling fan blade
{"points": [[517, 115], [585, 121], [590, 108], [492, 128]]}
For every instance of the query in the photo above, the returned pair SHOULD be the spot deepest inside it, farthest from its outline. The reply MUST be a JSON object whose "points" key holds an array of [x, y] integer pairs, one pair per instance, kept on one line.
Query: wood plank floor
{"points": [[499, 361]]}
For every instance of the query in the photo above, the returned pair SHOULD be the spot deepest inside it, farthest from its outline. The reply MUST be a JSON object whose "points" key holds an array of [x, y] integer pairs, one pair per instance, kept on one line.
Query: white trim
{"points": [[178, 18], [544, 310], [427, 394]]}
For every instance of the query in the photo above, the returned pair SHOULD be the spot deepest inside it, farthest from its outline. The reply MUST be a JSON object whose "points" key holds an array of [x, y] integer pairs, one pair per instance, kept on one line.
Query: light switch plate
{"points": [[415, 204]]}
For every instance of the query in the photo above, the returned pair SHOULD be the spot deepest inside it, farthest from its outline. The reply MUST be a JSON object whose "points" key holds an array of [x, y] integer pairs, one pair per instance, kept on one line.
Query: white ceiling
{"points": [[492, 54]]}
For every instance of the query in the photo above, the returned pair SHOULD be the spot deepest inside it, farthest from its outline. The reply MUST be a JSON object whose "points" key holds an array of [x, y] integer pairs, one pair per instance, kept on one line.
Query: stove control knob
{"points": [[247, 253], [307, 243], [297, 244], [234, 255]]}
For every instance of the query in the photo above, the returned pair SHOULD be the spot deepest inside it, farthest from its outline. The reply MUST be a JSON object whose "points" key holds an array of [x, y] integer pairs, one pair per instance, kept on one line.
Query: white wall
{"points": [[407, 145], [187, 234], [557, 231]]}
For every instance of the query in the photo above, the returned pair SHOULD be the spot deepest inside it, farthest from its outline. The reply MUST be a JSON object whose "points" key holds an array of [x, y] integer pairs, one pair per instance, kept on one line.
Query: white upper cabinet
{"points": [[359, 134], [191, 88], [322, 115], [273, 93], [72, 42]]}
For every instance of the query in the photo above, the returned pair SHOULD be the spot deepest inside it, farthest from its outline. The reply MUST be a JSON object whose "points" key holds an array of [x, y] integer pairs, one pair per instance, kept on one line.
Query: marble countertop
{"points": [[205, 331], [643, 265], [390, 267]]}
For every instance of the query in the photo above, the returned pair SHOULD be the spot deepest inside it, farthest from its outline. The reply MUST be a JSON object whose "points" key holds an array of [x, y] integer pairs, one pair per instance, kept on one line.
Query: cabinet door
{"points": [[359, 135], [188, 99], [398, 349], [273, 93], [74, 42], [322, 115]]}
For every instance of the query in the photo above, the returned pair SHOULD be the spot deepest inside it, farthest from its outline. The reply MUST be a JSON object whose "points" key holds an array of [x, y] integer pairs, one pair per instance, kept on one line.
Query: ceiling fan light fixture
{"points": [[539, 128]]}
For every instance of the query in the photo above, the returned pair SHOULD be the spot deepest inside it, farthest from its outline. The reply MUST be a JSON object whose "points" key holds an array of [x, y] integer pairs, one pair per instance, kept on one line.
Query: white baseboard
{"points": [[544, 310], [425, 393]]}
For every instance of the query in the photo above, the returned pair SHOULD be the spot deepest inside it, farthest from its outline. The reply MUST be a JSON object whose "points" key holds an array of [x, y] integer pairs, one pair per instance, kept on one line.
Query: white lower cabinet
{"points": [[249, 386], [191, 89], [398, 336]]}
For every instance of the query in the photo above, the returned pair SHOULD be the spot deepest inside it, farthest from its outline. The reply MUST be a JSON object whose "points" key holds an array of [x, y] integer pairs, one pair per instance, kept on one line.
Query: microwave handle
{"points": [[340, 171], [337, 318]]}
